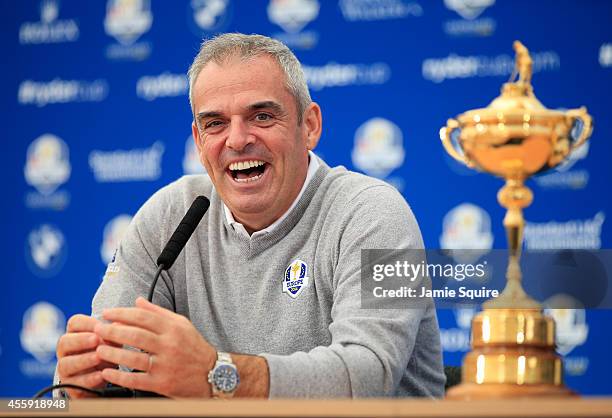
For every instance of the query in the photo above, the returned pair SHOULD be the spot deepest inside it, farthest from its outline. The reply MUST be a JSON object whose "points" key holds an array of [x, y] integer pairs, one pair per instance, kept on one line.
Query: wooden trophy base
{"points": [[473, 391]]}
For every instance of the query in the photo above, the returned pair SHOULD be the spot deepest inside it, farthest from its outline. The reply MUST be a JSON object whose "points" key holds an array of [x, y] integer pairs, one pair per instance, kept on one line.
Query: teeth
{"points": [[243, 165], [248, 180]]}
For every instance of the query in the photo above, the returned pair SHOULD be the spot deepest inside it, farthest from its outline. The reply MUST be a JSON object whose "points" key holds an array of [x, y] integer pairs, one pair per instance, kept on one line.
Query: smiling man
{"points": [[267, 290]]}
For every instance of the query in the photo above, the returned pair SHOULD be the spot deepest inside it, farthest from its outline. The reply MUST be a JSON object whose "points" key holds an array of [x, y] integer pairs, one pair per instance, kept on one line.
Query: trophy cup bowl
{"points": [[515, 137]]}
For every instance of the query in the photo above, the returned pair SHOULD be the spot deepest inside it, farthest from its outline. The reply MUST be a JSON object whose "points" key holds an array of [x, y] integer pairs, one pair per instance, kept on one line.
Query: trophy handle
{"points": [[587, 127], [445, 136]]}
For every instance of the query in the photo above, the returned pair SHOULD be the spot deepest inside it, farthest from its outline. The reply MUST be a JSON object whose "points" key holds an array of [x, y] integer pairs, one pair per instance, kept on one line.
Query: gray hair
{"points": [[228, 45]]}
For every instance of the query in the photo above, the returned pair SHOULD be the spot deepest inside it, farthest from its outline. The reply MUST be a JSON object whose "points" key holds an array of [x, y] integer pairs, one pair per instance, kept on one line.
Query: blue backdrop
{"points": [[96, 118]]}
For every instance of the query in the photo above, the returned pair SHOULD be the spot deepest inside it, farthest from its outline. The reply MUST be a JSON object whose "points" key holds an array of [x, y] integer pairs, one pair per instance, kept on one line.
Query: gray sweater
{"points": [[320, 343]]}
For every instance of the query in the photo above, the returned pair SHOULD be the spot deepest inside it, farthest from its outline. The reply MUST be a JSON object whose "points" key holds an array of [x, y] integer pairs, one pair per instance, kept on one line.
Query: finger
{"points": [[128, 335], [81, 323], [93, 380], [151, 307], [132, 380], [137, 317], [77, 364], [76, 343], [129, 358]]}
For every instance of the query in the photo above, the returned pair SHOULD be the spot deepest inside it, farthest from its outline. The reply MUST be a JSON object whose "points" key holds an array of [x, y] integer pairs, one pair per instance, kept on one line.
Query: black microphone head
{"points": [[183, 231]]}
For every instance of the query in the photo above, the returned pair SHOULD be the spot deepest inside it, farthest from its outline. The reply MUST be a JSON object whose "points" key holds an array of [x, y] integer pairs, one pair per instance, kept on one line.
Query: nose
{"points": [[239, 136]]}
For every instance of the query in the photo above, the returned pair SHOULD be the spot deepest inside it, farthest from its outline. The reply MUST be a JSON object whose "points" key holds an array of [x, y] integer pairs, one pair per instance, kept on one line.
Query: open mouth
{"points": [[247, 171]]}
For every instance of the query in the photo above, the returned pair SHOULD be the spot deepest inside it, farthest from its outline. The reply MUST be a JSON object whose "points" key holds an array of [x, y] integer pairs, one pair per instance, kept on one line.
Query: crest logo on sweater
{"points": [[295, 279]]}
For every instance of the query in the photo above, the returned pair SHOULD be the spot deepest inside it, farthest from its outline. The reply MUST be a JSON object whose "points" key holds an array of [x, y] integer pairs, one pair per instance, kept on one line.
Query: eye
{"points": [[212, 124], [262, 117]]}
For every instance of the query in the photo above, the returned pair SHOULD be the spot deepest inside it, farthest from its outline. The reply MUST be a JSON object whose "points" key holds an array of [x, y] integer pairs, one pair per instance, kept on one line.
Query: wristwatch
{"points": [[223, 377]]}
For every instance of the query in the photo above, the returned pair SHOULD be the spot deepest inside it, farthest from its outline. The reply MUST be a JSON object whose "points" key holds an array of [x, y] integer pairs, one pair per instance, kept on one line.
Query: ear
{"points": [[312, 125]]}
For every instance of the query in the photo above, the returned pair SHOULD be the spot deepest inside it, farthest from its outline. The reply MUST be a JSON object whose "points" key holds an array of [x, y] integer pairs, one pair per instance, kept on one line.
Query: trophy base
{"points": [[473, 391]]}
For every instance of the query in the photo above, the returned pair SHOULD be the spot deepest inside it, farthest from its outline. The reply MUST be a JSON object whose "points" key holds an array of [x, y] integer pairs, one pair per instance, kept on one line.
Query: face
{"points": [[249, 140]]}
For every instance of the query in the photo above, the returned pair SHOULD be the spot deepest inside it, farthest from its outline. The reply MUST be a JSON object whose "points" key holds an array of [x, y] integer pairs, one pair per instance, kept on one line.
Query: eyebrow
{"points": [[266, 104]]}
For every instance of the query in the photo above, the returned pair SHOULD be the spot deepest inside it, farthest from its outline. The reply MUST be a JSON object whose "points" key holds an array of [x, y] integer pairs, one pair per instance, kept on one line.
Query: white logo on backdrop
{"points": [[142, 164], [379, 147], [47, 250], [456, 66], [341, 75], [572, 329], [292, 15], [191, 160], [49, 29], [47, 165], [466, 227], [163, 85], [61, 91], [605, 55], [209, 14], [43, 324], [582, 234], [373, 10], [127, 20], [468, 9], [114, 231]]}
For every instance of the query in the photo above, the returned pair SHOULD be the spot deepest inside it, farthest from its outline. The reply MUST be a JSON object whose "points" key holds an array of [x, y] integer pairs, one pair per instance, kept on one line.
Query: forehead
{"points": [[258, 78]]}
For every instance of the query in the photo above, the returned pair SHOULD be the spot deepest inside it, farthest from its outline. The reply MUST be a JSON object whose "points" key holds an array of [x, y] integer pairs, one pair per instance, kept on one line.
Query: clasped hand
{"points": [[170, 357]]}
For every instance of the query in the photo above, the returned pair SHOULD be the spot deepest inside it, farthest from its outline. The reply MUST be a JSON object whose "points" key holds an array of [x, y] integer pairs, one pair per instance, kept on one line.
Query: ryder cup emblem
{"points": [[295, 279]]}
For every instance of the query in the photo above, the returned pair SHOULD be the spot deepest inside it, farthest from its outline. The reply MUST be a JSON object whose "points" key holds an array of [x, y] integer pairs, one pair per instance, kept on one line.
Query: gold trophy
{"points": [[513, 342]]}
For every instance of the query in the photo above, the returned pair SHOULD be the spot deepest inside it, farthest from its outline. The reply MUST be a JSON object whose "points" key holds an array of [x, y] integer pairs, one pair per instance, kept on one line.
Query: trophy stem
{"points": [[514, 196]]}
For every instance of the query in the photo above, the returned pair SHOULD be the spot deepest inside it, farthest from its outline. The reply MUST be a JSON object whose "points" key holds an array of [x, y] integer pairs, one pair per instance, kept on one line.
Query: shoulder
{"points": [[351, 190], [360, 206]]}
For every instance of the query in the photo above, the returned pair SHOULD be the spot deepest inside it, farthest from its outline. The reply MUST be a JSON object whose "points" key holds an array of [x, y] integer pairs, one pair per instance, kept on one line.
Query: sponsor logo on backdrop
{"points": [[572, 331], [372, 10], [209, 15], [47, 168], [563, 177], [113, 234], [163, 85], [470, 24], [48, 165], [342, 75], [293, 16], [458, 338], [43, 324], [579, 234], [378, 148], [191, 160], [127, 21], [457, 66], [466, 227], [50, 29], [141, 164], [605, 55], [46, 250], [43, 93]]}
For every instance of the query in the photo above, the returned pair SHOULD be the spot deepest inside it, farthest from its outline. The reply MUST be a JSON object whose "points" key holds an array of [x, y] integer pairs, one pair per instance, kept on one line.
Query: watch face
{"points": [[225, 378]]}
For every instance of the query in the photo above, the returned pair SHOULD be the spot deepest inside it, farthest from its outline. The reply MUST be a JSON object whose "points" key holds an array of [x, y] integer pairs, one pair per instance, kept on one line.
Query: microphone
{"points": [[182, 233], [178, 240]]}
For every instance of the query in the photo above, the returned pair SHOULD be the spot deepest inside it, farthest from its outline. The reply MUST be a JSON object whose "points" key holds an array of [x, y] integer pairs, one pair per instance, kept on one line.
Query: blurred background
{"points": [[95, 118]]}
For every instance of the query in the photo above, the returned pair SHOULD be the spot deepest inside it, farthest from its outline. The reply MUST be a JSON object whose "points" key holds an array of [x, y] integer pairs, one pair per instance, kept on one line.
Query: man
{"points": [[267, 290]]}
